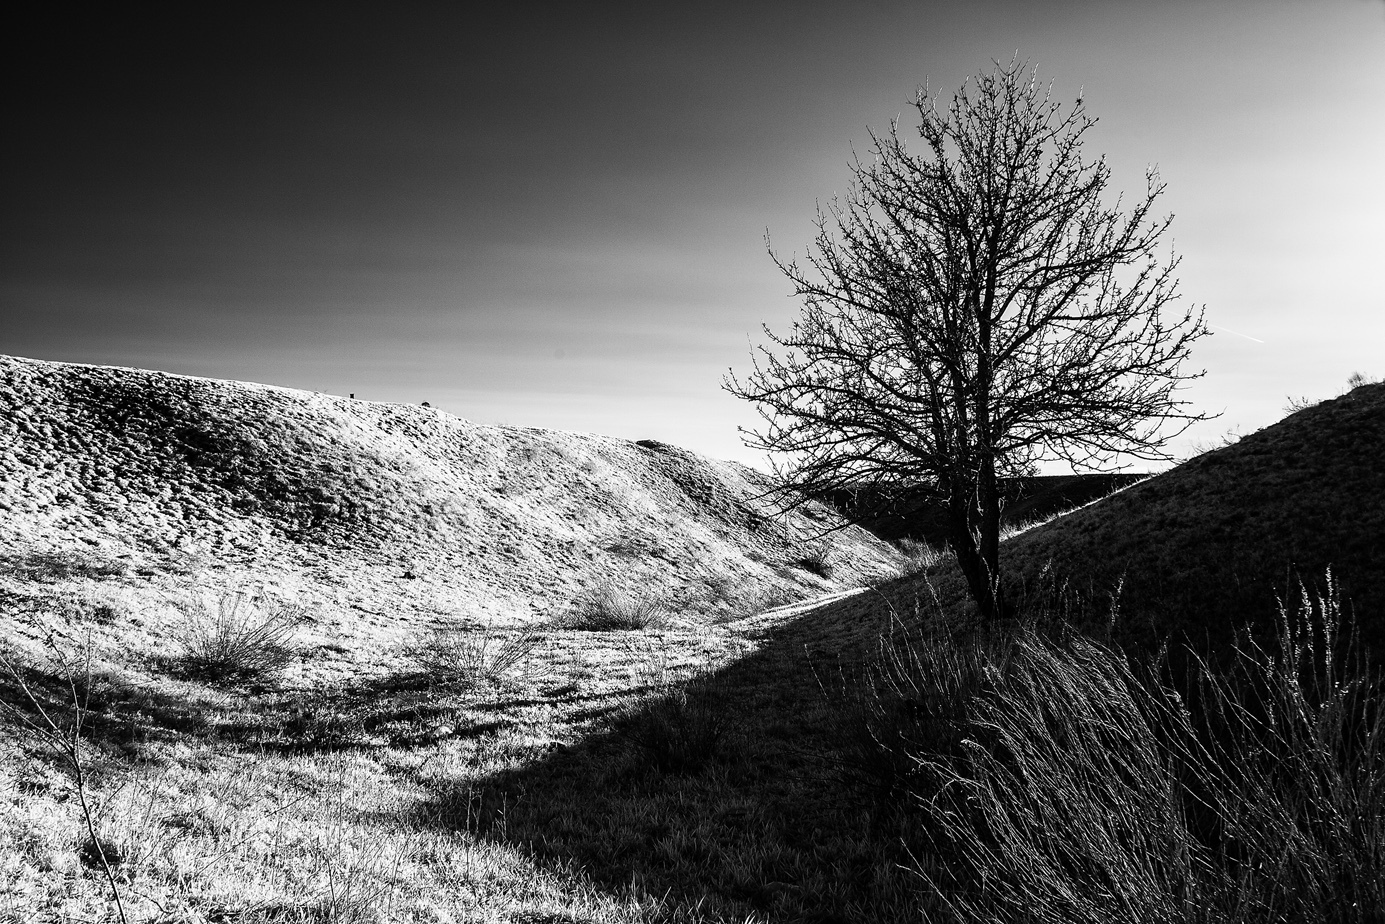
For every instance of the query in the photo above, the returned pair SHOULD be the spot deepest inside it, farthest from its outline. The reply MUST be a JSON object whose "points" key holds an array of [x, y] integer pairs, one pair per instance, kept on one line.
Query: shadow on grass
{"points": [[762, 788], [124, 720], [758, 790], [730, 794]]}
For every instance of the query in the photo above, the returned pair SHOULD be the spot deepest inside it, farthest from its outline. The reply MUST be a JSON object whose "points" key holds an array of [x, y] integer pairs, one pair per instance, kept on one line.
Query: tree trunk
{"points": [[988, 530], [967, 532]]}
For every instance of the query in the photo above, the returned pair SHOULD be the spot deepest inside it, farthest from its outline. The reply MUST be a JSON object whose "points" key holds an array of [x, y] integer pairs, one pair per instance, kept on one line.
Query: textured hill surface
{"points": [[1215, 542], [383, 514], [540, 795]]}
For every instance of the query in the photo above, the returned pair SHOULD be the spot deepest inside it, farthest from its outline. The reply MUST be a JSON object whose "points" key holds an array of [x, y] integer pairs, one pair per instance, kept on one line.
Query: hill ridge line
{"points": [[394, 507]]}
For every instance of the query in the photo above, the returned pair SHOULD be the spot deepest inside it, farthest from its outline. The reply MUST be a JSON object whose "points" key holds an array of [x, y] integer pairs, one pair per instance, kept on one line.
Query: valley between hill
{"points": [[453, 738]]}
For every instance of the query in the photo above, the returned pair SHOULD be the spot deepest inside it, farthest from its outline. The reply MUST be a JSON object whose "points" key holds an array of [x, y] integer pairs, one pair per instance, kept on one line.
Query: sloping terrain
{"points": [[381, 515], [918, 513], [308, 793], [1216, 542], [1201, 550], [705, 769]]}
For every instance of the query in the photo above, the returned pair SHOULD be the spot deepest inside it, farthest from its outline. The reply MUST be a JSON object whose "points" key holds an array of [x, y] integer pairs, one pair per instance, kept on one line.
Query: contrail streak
{"points": [[1236, 332]]}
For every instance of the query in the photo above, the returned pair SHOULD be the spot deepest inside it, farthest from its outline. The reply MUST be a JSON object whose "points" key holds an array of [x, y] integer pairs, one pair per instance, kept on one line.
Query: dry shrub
{"points": [[60, 727], [245, 636], [817, 560], [606, 607], [469, 659]]}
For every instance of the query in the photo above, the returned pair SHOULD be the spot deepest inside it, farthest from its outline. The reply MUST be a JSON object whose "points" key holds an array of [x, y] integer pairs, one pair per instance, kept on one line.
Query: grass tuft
{"points": [[606, 607], [466, 659], [682, 729], [817, 560], [244, 637], [919, 555]]}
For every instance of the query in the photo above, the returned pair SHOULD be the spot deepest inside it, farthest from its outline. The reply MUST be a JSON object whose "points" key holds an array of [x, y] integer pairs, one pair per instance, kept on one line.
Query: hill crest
{"points": [[1219, 540], [386, 509]]}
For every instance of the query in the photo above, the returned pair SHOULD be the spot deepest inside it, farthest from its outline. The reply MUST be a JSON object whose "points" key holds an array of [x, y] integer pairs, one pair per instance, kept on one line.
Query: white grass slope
{"points": [[382, 519]]}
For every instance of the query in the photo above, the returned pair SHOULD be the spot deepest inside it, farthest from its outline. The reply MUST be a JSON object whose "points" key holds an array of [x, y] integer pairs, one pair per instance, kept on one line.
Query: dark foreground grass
{"points": [[1046, 777]]}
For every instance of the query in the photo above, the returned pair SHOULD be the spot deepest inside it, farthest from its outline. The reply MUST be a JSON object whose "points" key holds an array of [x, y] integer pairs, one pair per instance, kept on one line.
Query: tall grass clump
{"points": [[817, 560], [681, 729], [919, 556], [606, 607], [1047, 777], [1289, 758], [473, 659], [245, 636]]}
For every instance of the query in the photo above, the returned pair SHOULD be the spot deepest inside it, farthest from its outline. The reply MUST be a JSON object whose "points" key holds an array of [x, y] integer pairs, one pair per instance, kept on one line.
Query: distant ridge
{"points": [[385, 509], [918, 513]]}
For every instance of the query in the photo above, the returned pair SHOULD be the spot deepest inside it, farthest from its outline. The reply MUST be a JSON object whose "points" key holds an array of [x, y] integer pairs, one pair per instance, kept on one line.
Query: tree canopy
{"points": [[972, 308]]}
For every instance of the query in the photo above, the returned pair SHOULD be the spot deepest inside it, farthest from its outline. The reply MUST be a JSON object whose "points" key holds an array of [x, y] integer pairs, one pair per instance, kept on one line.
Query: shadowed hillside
{"points": [[1214, 543], [918, 513], [1203, 550]]}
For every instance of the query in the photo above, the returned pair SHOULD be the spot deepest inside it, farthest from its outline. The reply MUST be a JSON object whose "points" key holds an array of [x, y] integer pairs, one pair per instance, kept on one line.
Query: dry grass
{"points": [[57, 728], [607, 607], [638, 779], [817, 560], [691, 769], [1215, 541], [1053, 779], [919, 556], [681, 722], [244, 636], [703, 775], [475, 659], [50, 566]]}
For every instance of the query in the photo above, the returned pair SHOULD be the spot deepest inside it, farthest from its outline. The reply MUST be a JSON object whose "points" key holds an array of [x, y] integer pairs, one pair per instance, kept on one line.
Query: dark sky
{"points": [[556, 216]]}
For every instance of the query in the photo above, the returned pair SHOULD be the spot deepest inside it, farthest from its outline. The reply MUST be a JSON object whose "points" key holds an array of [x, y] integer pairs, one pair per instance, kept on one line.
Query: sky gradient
{"points": [[556, 217]]}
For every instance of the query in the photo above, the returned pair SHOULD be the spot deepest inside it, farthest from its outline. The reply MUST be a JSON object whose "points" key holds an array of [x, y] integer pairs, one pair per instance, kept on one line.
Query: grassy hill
{"points": [[450, 725], [382, 514], [1215, 543]]}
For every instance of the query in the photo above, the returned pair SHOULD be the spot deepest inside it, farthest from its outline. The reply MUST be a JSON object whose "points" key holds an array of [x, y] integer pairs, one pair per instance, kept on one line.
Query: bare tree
{"points": [[972, 309]]}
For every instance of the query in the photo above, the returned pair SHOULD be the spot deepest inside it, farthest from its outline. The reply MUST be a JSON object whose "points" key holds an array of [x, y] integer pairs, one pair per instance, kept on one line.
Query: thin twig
{"points": [[66, 743]]}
